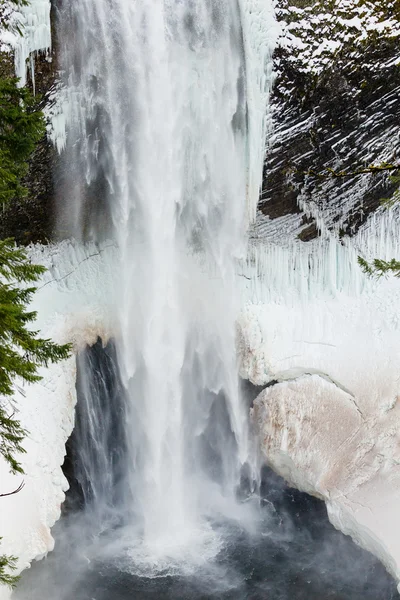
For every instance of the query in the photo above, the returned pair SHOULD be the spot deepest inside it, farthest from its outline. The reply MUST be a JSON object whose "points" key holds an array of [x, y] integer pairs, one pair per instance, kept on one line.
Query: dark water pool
{"points": [[298, 556]]}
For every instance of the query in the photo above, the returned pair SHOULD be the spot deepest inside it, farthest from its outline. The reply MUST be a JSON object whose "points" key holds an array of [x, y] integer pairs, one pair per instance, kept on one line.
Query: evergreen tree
{"points": [[21, 127], [7, 564], [22, 352]]}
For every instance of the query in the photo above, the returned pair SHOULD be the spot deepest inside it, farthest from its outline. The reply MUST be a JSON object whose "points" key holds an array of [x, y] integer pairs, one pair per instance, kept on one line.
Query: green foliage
{"points": [[21, 127], [378, 267], [7, 564], [22, 351]]}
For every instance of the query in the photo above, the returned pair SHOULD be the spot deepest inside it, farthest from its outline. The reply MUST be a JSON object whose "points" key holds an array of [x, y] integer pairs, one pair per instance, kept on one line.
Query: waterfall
{"points": [[161, 167], [156, 160]]}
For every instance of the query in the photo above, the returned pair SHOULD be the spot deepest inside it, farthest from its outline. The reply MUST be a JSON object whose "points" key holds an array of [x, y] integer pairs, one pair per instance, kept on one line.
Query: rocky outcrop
{"points": [[335, 105], [322, 441]]}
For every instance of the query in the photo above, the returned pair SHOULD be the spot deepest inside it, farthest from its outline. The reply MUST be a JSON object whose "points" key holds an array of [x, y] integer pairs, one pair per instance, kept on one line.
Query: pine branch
{"points": [[378, 268], [7, 564]]}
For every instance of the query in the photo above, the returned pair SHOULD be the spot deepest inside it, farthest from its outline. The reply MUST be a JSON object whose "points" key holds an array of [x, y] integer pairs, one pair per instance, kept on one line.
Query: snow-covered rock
{"points": [[331, 337], [334, 106], [326, 442], [73, 305]]}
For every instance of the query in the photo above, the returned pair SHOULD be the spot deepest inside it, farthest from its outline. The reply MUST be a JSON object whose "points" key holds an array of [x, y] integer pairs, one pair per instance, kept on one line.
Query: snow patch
{"points": [[316, 36], [73, 304]]}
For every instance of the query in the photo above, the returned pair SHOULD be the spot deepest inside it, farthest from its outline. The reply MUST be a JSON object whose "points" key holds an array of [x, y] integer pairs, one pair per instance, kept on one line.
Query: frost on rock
{"points": [[317, 33], [334, 105], [67, 311]]}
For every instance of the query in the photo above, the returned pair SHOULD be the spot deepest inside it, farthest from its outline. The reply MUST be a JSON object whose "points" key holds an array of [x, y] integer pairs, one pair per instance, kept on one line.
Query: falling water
{"points": [[156, 159]]}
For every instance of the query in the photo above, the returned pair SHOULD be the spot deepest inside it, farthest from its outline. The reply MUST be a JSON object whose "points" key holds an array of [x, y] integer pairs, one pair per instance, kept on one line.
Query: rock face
{"points": [[321, 441], [335, 105]]}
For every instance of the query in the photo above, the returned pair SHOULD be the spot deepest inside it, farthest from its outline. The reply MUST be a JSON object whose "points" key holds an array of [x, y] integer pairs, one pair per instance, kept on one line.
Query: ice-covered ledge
{"points": [[309, 309], [315, 435], [73, 305]]}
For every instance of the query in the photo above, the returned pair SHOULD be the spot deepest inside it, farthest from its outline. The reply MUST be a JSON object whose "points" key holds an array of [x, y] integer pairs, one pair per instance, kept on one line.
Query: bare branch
{"points": [[374, 169], [19, 488]]}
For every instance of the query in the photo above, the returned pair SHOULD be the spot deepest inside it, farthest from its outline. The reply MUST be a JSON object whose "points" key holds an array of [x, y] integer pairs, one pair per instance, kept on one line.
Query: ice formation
{"points": [[34, 21], [260, 32], [73, 304], [331, 336]]}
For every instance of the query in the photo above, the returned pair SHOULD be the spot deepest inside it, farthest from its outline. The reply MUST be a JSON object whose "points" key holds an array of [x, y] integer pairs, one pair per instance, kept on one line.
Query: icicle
{"points": [[34, 19]]}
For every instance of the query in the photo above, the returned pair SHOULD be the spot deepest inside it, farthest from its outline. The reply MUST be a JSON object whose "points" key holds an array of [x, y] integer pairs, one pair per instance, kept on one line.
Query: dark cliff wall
{"points": [[335, 104]]}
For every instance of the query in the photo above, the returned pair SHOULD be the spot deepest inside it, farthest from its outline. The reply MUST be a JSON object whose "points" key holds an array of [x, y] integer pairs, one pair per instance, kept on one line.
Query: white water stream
{"points": [[157, 160]]}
